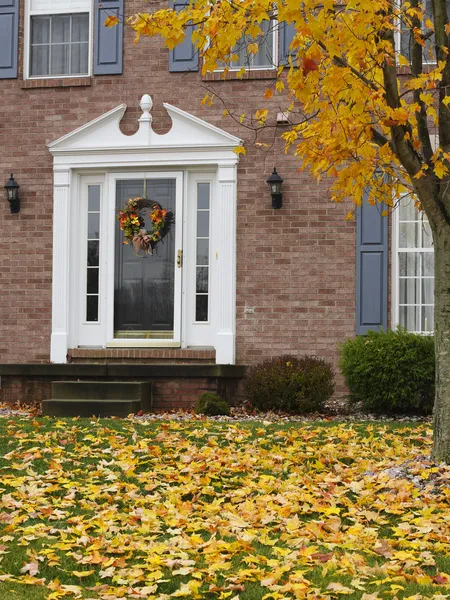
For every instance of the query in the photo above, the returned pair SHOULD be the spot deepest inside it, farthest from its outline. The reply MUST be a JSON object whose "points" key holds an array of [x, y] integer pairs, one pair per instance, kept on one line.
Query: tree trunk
{"points": [[441, 237]]}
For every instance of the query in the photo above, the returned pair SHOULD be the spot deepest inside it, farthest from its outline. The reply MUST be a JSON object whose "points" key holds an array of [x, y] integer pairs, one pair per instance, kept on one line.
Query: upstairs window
{"points": [[266, 56], [406, 36], [59, 38]]}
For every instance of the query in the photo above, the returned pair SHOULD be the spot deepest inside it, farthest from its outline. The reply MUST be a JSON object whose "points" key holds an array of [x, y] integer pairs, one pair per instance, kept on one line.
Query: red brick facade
{"points": [[295, 266]]}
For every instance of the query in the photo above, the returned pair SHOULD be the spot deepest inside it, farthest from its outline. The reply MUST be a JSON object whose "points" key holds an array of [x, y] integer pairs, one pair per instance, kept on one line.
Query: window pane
{"points": [[40, 30], [202, 252], [93, 254], [409, 263], [59, 61], [80, 28], [93, 198], [410, 317], [427, 318], [92, 281], [201, 308], [203, 195], [202, 280], [203, 224], [265, 55], [409, 291], [428, 290], [39, 60], [428, 264], [427, 237], [409, 235], [60, 29], [408, 212], [92, 308], [79, 59], [94, 226]]}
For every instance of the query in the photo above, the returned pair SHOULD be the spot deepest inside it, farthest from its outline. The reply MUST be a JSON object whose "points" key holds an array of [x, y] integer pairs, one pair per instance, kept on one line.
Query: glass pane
{"points": [[202, 280], [40, 30], [79, 59], [93, 254], [409, 291], [408, 263], [409, 235], [201, 308], [60, 29], [408, 212], [92, 308], [264, 58], [203, 224], [80, 28], [427, 318], [202, 252], [428, 264], [428, 290], [203, 195], [410, 317], [59, 60], [94, 226], [427, 237], [93, 198], [39, 63], [92, 281]]}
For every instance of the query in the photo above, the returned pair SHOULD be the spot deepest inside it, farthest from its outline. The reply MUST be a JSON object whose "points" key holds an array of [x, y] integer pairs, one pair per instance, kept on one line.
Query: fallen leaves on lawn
{"points": [[210, 510]]}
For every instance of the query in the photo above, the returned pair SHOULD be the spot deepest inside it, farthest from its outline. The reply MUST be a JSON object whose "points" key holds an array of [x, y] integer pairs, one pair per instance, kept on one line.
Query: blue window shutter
{"points": [[371, 269], [287, 33], [183, 57], [9, 36], [108, 41]]}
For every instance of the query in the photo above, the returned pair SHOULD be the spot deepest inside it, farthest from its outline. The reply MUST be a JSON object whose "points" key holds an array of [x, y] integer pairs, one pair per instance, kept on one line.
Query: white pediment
{"points": [[103, 133]]}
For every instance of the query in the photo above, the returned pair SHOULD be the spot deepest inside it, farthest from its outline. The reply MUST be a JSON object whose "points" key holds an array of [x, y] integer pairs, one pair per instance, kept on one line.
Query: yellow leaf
{"points": [[440, 169], [402, 61], [111, 21], [83, 573], [268, 93], [240, 150]]}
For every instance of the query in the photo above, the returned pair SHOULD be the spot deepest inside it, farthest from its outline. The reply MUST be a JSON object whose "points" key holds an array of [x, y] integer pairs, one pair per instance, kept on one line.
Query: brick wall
{"points": [[296, 266]]}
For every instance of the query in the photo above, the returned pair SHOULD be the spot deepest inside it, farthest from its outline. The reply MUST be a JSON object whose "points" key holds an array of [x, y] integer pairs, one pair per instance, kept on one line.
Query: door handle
{"points": [[180, 258]]}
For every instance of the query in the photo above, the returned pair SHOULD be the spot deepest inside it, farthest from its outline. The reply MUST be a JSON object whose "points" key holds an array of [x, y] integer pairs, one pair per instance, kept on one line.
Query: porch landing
{"points": [[174, 385]]}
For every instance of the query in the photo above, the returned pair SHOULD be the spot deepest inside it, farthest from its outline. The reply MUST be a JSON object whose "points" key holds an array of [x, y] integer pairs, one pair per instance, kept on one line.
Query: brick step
{"points": [[143, 355], [89, 407]]}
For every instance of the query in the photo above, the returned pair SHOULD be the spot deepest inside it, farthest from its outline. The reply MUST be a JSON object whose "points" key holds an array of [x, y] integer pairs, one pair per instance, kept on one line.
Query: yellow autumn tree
{"points": [[367, 111]]}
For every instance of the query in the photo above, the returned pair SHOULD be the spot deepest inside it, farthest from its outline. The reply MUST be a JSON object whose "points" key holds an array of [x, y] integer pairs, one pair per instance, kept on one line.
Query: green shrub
{"points": [[212, 405], [290, 384], [390, 372]]}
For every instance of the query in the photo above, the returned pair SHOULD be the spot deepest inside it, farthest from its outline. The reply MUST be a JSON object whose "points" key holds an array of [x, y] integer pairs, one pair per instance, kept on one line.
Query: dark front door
{"points": [[144, 286]]}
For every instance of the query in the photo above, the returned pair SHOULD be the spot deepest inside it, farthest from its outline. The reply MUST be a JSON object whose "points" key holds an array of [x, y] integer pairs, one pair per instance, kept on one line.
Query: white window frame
{"points": [[27, 40], [276, 38], [395, 283]]}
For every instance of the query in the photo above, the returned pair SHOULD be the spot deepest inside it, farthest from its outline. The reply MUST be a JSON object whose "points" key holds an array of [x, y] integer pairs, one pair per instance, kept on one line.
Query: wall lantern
{"points": [[275, 182], [12, 191]]}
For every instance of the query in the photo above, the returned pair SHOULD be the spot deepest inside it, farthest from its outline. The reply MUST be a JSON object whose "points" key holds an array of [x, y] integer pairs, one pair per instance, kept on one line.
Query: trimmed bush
{"points": [[212, 405], [291, 384], [390, 372]]}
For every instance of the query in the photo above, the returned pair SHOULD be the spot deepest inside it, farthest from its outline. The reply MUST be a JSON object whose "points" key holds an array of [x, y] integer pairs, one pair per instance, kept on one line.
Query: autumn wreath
{"points": [[132, 224]]}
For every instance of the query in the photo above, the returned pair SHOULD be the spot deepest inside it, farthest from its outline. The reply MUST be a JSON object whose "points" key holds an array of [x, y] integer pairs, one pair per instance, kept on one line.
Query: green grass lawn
{"points": [[240, 511]]}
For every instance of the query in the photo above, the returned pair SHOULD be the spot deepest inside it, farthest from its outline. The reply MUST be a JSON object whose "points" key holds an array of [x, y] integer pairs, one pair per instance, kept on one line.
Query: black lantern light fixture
{"points": [[275, 182], [12, 192]]}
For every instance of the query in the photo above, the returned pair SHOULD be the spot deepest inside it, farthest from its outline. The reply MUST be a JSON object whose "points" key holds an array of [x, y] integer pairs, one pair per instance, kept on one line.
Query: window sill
{"points": [[249, 74], [56, 83]]}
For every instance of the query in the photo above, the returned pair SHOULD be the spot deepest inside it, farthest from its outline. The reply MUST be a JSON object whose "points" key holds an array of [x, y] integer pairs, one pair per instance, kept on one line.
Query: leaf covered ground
{"points": [[240, 511]]}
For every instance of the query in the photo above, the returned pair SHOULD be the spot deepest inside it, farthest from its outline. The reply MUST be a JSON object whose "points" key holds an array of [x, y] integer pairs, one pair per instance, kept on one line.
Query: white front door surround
{"points": [[89, 160]]}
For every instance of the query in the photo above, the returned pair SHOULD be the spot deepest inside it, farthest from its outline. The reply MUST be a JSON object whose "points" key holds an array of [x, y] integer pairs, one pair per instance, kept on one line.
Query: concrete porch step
{"points": [[89, 407], [99, 398]]}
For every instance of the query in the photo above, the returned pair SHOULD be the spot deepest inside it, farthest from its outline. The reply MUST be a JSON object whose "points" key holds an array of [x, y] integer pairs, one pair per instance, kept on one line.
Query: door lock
{"points": [[180, 258]]}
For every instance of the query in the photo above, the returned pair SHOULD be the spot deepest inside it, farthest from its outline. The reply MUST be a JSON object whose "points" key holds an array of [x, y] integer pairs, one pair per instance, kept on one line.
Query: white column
{"points": [[226, 333], [60, 281]]}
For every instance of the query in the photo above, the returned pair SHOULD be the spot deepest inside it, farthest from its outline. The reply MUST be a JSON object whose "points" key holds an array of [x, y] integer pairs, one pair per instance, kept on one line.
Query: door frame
{"points": [[110, 218]]}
